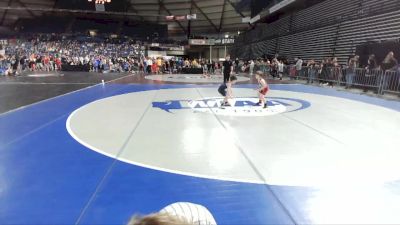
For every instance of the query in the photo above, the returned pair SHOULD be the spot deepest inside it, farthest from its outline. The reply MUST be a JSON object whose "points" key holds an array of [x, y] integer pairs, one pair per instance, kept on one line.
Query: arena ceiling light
{"points": [[100, 1]]}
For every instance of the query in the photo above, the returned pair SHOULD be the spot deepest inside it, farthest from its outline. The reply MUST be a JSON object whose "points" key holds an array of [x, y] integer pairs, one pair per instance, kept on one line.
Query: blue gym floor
{"points": [[47, 177]]}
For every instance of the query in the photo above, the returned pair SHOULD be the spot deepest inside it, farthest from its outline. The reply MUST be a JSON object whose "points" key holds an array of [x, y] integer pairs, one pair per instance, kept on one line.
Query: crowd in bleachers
{"points": [[50, 54], [43, 53]]}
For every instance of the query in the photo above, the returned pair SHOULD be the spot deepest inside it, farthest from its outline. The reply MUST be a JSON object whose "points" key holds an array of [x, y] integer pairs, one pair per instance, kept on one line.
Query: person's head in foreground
{"points": [[158, 219], [178, 213]]}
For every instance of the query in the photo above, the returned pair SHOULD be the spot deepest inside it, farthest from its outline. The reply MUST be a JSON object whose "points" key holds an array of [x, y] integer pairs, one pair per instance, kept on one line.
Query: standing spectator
{"points": [[149, 63], [209, 68], [58, 63], [326, 72], [14, 65], [22, 63], [186, 63], [312, 71], [372, 64], [351, 70], [299, 67], [39, 64], [227, 68], [154, 67], [251, 70], [141, 66], [237, 67], [167, 66], [370, 71], [389, 64], [274, 68], [267, 66], [280, 69], [159, 63], [336, 70], [2, 53], [46, 63], [96, 65]]}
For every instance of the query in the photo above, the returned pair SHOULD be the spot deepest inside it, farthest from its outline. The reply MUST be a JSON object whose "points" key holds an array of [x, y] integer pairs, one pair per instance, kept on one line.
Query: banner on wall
{"points": [[201, 42], [224, 41], [175, 53], [208, 42], [155, 54]]}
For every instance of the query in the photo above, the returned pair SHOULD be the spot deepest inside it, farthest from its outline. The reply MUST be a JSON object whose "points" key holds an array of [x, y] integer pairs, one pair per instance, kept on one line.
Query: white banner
{"points": [[224, 41], [201, 42]]}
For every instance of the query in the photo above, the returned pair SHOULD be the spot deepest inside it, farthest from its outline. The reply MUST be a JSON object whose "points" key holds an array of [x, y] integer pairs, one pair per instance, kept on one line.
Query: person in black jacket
{"points": [[227, 68]]}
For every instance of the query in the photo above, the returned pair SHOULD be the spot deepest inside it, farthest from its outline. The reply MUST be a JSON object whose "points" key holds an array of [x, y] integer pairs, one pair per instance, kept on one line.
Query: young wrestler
{"points": [[262, 90], [225, 90]]}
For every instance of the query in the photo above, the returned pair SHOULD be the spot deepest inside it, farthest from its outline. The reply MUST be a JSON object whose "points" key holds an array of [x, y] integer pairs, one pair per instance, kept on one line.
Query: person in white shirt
{"points": [[280, 69], [149, 64], [251, 67], [299, 66], [2, 52]]}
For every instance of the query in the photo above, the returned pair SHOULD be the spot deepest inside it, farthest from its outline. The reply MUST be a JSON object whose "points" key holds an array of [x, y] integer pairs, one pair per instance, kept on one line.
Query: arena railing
{"points": [[377, 80]]}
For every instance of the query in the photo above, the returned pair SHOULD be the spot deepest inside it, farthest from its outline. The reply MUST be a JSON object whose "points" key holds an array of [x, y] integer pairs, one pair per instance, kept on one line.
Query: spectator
{"points": [[389, 65], [280, 69], [351, 70], [390, 62], [299, 67], [312, 71], [274, 68], [372, 64], [237, 66], [326, 72], [227, 68], [251, 70]]}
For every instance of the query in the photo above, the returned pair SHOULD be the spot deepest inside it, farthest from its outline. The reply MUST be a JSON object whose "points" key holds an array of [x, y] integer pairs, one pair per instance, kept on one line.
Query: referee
{"points": [[228, 68]]}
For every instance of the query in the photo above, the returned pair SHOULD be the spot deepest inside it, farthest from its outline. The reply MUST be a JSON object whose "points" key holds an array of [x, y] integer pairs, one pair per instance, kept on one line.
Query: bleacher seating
{"points": [[323, 13], [375, 28], [330, 28]]}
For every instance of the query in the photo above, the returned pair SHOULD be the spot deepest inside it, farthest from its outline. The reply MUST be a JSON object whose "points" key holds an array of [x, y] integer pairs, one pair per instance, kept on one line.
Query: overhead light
{"points": [[226, 35]]}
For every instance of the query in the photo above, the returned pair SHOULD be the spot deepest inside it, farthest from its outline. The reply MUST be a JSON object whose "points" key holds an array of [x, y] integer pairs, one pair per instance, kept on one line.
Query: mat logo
{"points": [[240, 106]]}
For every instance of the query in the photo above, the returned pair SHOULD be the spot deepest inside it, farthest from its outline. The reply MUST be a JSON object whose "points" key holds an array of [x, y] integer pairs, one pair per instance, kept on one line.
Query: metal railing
{"points": [[377, 80]]}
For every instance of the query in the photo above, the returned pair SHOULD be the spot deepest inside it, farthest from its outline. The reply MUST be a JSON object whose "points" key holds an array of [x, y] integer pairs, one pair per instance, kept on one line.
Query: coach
{"points": [[228, 68]]}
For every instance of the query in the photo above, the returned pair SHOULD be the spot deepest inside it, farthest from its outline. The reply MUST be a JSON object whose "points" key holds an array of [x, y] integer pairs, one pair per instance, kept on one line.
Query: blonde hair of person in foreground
{"points": [[158, 219], [179, 213]]}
